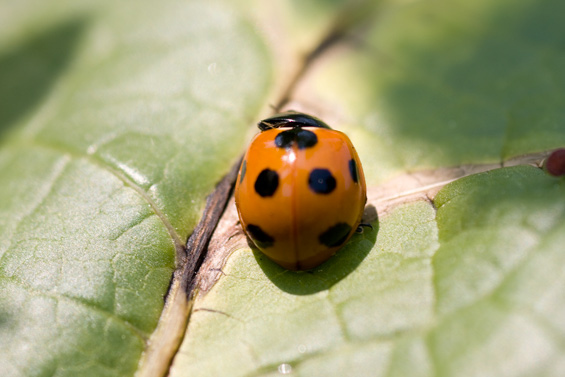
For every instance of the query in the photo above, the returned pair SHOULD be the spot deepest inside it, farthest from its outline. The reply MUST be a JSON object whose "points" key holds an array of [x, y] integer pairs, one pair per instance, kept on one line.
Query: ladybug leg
{"points": [[360, 229]]}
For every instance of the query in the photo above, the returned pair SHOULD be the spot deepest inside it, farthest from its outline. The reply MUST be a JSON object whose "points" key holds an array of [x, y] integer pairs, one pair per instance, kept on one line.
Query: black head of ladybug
{"points": [[291, 119]]}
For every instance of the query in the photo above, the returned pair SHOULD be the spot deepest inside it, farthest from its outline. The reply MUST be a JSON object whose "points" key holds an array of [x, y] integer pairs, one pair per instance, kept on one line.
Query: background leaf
{"points": [[442, 83]]}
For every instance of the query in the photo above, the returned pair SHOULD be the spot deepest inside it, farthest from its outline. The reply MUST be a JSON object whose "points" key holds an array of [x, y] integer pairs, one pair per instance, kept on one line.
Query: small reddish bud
{"points": [[555, 163]]}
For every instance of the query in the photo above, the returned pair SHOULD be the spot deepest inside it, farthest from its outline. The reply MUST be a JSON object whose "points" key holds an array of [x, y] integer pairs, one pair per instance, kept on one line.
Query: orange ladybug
{"points": [[300, 191]]}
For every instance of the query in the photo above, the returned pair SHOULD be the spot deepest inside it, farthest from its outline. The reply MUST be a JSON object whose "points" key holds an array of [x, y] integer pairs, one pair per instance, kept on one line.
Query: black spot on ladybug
{"points": [[306, 139], [335, 235], [303, 138], [243, 170], [353, 170], [284, 139], [321, 181], [261, 239], [267, 183]]}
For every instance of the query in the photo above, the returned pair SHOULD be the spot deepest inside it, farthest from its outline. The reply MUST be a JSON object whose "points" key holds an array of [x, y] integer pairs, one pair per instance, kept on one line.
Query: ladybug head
{"points": [[291, 119]]}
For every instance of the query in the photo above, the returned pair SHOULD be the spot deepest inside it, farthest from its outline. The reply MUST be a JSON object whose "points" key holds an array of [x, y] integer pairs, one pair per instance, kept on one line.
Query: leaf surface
{"points": [[473, 288], [458, 286], [115, 124], [117, 120]]}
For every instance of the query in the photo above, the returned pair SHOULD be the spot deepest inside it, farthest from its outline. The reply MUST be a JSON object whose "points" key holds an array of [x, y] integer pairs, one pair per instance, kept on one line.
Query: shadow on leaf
{"points": [[29, 70], [323, 277], [475, 92]]}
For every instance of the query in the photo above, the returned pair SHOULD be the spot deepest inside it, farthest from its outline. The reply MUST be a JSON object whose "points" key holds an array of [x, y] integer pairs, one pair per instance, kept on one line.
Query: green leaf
{"points": [[443, 83], [115, 124], [117, 119], [498, 276], [473, 290]]}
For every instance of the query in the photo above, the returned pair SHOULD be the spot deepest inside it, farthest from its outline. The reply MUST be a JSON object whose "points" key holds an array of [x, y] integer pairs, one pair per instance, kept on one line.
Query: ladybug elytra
{"points": [[300, 191]]}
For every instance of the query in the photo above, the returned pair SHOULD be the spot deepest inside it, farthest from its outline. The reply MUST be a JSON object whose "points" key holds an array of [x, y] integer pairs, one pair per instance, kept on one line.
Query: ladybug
{"points": [[300, 191]]}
